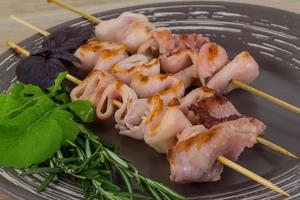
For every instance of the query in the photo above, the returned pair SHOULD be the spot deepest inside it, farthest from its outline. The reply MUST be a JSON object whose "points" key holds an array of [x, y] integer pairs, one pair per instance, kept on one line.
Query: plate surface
{"points": [[270, 35]]}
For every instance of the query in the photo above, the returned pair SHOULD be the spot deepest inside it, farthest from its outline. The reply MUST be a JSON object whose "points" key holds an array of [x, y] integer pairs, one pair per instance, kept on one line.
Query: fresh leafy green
{"points": [[65, 121], [93, 165], [84, 110], [32, 126], [38, 131], [30, 137], [19, 97], [57, 83]]}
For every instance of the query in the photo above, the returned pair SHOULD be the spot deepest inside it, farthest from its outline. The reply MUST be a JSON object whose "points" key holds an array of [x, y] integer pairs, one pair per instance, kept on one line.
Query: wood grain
{"points": [[46, 15]]}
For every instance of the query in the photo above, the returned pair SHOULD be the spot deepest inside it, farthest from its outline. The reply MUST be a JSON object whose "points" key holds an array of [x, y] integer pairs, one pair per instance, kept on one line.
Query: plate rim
{"points": [[19, 192]]}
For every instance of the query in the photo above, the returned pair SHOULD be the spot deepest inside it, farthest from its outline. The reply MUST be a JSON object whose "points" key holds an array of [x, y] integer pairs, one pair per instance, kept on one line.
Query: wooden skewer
{"points": [[221, 159], [275, 147], [235, 82], [73, 79], [18, 49], [251, 175], [266, 96], [72, 9], [77, 81], [21, 21]]}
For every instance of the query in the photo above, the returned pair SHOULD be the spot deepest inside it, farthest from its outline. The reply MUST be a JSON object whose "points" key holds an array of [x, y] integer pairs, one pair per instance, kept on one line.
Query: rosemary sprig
{"points": [[92, 164]]}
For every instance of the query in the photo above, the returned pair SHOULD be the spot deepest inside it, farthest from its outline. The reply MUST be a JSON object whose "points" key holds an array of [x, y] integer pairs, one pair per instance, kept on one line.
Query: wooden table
{"points": [[46, 15]]}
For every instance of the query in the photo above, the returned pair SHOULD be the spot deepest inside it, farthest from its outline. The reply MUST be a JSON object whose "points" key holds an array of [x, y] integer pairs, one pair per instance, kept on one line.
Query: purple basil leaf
{"points": [[63, 55], [41, 51], [39, 71], [42, 67], [53, 66], [77, 36], [71, 44], [68, 39]]}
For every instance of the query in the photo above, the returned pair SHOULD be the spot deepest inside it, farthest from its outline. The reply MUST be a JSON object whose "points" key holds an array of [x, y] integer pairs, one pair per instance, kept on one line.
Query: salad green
{"points": [[43, 132]]}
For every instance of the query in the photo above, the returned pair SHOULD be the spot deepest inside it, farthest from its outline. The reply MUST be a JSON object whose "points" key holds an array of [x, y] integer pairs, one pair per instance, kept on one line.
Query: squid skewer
{"points": [[221, 159], [236, 83], [77, 81]]}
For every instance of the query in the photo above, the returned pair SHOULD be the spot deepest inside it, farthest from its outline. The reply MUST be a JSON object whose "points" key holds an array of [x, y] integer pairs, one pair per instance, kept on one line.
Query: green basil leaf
{"points": [[69, 127], [19, 97], [63, 98], [32, 126], [84, 110], [57, 83], [30, 137]]}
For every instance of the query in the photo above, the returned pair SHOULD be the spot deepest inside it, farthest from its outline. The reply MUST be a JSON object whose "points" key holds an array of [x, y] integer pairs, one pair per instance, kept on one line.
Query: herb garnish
{"points": [[91, 163], [44, 132], [42, 67]]}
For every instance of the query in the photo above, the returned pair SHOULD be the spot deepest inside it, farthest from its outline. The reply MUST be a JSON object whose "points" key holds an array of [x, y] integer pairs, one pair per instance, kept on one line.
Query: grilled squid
{"points": [[191, 98], [176, 62], [158, 84], [125, 69], [176, 49], [163, 123], [211, 59], [107, 29], [92, 87], [115, 91], [110, 56], [130, 120], [99, 54], [243, 68], [135, 34], [194, 158]]}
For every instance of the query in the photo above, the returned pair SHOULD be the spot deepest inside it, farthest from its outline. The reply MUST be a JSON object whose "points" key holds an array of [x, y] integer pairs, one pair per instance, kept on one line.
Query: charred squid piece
{"points": [[125, 69], [192, 97], [176, 50], [116, 91], [135, 34], [213, 110], [131, 120], [195, 159], [95, 53], [108, 29], [176, 62], [110, 56], [159, 84], [210, 59], [243, 68], [164, 123], [92, 87]]}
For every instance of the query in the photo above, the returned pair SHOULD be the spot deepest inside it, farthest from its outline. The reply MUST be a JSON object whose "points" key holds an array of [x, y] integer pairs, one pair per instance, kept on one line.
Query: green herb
{"points": [[57, 83], [91, 164], [33, 131], [84, 110], [44, 134], [33, 126]]}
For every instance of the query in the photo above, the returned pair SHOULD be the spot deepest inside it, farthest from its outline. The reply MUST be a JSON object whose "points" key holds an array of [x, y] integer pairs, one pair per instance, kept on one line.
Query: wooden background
{"points": [[45, 15]]}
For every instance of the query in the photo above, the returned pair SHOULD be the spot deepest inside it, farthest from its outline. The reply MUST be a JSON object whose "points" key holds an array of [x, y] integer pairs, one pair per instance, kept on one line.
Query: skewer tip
{"points": [[264, 95], [251, 175], [276, 147]]}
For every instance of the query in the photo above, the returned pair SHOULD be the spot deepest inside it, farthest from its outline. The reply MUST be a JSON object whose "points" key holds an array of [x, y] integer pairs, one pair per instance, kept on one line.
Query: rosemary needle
{"points": [[93, 165]]}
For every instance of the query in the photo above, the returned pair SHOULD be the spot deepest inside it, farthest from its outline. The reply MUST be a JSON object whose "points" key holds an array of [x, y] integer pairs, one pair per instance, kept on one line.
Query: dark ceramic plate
{"points": [[271, 35]]}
